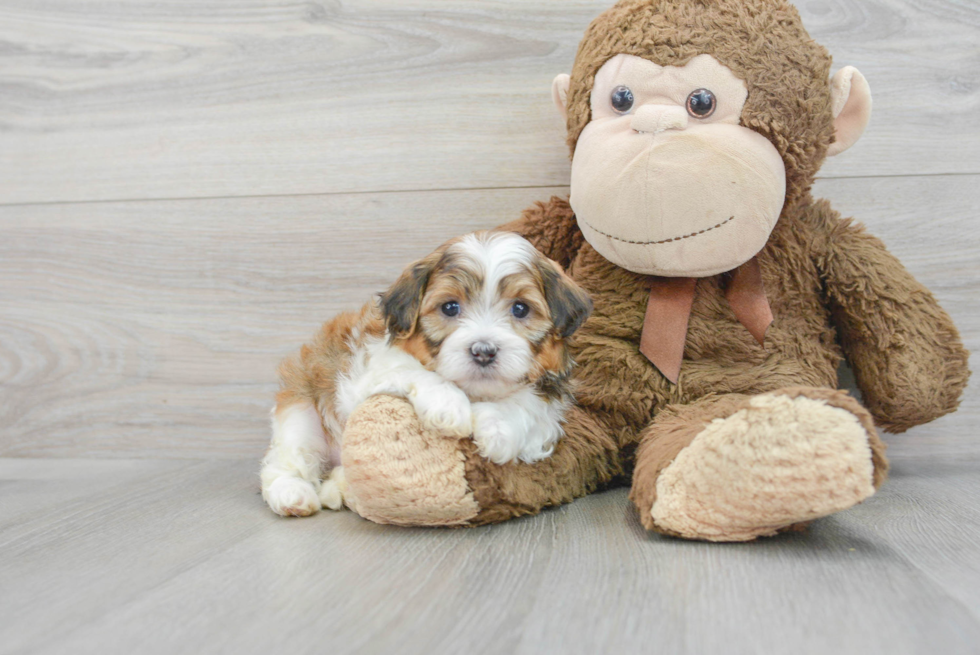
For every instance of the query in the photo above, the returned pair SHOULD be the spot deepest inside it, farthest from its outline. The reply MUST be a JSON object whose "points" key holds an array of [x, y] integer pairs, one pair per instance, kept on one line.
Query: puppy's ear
{"points": [[401, 303], [568, 303]]}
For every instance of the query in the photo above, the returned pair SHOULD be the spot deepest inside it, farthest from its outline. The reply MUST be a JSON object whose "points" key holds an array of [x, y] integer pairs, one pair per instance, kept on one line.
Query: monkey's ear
{"points": [[401, 303], [559, 93], [568, 304], [850, 101]]}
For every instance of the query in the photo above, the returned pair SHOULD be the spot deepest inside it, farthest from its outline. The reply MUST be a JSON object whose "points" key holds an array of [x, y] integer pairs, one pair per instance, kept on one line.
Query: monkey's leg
{"points": [[399, 473], [734, 467]]}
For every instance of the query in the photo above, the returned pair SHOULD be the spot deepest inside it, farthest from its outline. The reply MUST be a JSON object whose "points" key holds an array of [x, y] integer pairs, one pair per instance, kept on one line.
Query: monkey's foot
{"points": [[397, 472], [778, 461]]}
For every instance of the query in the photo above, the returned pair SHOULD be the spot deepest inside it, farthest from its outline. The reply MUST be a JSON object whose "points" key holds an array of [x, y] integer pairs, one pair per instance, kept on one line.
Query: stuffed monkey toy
{"points": [[725, 297]]}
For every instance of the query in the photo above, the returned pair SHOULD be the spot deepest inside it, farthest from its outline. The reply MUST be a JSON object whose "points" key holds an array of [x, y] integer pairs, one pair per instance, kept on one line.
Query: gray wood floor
{"points": [[188, 188]]}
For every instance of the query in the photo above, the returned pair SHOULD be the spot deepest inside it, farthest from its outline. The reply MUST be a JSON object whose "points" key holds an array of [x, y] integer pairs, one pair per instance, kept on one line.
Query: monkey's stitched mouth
{"points": [[654, 243]]}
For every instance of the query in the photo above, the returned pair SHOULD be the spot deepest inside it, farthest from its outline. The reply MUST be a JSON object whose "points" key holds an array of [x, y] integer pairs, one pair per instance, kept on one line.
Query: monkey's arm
{"points": [[551, 227], [907, 356]]}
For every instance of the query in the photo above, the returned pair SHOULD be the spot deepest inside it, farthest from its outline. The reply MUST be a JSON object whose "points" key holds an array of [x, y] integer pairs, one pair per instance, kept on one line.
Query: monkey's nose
{"points": [[483, 352], [654, 119]]}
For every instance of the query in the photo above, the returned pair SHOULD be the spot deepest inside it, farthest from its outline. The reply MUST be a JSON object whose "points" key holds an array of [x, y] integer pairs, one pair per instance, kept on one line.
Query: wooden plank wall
{"points": [[188, 188]]}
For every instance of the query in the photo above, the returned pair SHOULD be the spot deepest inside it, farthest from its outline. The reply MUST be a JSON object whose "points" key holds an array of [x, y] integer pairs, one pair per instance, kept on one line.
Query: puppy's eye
{"points": [[519, 309], [450, 308], [701, 103], [621, 99]]}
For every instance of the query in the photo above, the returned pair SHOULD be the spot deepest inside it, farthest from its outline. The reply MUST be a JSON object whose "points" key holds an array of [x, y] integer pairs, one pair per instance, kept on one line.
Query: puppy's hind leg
{"points": [[333, 489], [297, 457]]}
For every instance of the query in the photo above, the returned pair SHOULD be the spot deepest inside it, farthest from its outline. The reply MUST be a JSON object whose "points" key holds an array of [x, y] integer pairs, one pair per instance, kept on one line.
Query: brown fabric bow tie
{"points": [[669, 308]]}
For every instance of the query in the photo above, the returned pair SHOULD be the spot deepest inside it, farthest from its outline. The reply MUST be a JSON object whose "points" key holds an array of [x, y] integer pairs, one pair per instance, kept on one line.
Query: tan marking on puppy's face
{"points": [[452, 290], [568, 306], [568, 303], [551, 356], [448, 282], [413, 306], [400, 304], [527, 289]]}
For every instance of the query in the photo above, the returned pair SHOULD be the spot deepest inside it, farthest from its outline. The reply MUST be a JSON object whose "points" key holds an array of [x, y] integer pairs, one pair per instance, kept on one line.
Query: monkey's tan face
{"points": [[664, 179]]}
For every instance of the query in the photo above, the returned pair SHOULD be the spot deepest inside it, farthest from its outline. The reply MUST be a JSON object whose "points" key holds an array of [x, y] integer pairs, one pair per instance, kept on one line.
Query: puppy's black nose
{"points": [[483, 352]]}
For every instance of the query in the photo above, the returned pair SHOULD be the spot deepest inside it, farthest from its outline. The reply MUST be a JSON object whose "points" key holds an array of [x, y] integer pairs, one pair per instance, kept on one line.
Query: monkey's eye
{"points": [[450, 308], [621, 99], [519, 309], [701, 103]]}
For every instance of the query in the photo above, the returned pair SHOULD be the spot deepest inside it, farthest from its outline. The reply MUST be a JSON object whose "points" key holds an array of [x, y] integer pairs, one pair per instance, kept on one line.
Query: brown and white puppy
{"points": [[472, 335]]}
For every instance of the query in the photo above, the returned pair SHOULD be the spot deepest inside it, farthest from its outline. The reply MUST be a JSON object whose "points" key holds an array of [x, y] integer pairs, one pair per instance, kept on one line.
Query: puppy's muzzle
{"points": [[483, 353]]}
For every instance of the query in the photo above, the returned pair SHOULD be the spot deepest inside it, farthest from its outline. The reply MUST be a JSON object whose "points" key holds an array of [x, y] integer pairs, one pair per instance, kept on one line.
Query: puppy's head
{"points": [[486, 311]]}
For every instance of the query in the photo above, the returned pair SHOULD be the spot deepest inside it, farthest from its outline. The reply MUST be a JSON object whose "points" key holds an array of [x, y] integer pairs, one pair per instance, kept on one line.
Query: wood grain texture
{"points": [[249, 169], [175, 99], [142, 329], [154, 328], [184, 557]]}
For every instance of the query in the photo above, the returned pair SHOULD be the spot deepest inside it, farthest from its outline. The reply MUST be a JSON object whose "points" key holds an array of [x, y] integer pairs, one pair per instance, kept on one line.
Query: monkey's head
{"points": [[693, 123]]}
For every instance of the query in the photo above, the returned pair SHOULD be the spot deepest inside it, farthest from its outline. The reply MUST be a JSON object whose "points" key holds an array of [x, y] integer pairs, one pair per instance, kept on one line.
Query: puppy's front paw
{"points": [[444, 408], [498, 438], [288, 496]]}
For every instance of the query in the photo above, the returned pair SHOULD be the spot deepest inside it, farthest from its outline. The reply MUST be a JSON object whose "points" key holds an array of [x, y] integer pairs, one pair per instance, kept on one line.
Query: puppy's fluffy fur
{"points": [[472, 335]]}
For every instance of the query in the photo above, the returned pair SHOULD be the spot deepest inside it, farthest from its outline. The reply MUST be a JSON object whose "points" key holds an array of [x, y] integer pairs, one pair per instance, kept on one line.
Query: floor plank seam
{"points": [[367, 192]]}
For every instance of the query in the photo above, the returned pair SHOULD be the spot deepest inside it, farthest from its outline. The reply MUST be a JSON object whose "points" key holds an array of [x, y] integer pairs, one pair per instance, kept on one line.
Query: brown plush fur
{"points": [[586, 459], [827, 280], [834, 290]]}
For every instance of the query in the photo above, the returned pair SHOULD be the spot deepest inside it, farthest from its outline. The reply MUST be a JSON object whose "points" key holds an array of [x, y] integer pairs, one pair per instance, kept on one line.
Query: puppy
{"points": [[472, 335]]}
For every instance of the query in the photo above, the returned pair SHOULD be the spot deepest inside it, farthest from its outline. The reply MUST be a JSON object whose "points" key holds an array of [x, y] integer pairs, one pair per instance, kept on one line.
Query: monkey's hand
{"points": [[907, 356]]}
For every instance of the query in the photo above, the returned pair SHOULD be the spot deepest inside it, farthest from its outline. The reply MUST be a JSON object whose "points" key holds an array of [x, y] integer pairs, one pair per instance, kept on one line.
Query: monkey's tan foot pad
{"points": [[398, 473], [781, 460]]}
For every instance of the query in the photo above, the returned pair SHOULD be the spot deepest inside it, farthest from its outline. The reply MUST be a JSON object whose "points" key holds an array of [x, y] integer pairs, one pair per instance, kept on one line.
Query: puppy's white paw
{"points": [[498, 438], [288, 496], [333, 489], [444, 408]]}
